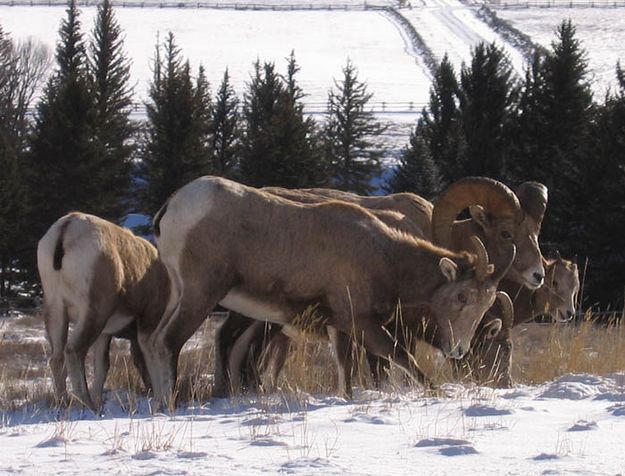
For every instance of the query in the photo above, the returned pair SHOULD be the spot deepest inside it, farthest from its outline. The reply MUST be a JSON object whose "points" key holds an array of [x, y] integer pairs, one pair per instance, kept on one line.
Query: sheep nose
{"points": [[539, 278]]}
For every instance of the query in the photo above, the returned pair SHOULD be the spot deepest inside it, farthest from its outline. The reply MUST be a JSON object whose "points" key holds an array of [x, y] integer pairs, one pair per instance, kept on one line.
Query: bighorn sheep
{"points": [[490, 358], [240, 339], [498, 216], [107, 282], [270, 259]]}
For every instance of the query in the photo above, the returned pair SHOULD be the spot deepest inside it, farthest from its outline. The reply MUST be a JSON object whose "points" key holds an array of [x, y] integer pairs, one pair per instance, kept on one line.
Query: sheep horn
{"points": [[507, 309], [482, 269], [533, 197], [496, 198]]}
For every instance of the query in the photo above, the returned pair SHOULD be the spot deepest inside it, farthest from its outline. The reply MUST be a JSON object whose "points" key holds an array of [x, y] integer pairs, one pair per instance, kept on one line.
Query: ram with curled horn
{"points": [[499, 217], [289, 256]]}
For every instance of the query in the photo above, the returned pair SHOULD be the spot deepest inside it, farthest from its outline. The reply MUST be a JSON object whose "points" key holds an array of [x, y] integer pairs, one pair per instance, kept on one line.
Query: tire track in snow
{"points": [[444, 11]]}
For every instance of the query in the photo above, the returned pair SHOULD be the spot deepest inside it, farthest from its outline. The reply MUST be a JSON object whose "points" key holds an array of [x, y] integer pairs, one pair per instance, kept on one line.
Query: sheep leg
{"points": [[102, 363], [225, 339], [173, 331], [80, 340], [57, 323], [342, 345], [273, 360], [378, 341], [139, 362]]}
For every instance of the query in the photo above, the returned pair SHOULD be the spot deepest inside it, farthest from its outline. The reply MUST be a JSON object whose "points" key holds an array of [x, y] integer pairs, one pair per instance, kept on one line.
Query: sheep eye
{"points": [[555, 285], [506, 235], [462, 298]]}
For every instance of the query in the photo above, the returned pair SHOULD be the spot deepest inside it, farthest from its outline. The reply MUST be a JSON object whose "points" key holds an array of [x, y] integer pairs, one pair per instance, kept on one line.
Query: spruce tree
{"points": [[600, 235], [110, 75], [278, 143], [557, 145], [350, 134], [11, 188], [176, 147], [441, 124], [225, 130], [417, 172], [64, 165], [488, 93]]}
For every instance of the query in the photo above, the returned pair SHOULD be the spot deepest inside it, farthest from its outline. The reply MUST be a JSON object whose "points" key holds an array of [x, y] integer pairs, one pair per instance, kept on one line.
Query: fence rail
{"points": [[230, 5], [139, 112], [558, 3]]}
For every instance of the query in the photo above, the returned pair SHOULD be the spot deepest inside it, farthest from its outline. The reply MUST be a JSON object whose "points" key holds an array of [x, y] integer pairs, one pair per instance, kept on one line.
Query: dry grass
{"points": [[542, 352]]}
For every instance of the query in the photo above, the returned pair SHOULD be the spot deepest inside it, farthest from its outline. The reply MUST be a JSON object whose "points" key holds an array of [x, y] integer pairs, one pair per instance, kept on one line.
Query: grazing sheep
{"points": [[270, 259], [106, 282]]}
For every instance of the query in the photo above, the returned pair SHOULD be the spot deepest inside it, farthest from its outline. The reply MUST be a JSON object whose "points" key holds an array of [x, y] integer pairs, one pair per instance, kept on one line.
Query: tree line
{"points": [[81, 151]]}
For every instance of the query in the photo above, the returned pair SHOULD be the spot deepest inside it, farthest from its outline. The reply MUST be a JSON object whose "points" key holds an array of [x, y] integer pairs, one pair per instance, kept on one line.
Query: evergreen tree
{"points": [[11, 187], [488, 93], [559, 108], [350, 134], [110, 73], [442, 125], [279, 145], [225, 132], [176, 148], [417, 172], [64, 165], [600, 235]]}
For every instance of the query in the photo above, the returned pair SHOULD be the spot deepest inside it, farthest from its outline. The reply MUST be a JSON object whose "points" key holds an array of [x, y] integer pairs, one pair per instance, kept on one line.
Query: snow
{"points": [[449, 26], [600, 31], [573, 424], [220, 39]]}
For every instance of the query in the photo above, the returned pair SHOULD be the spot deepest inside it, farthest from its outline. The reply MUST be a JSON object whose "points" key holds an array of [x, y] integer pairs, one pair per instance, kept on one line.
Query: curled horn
{"points": [[507, 309], [496, 198], [533, 197], [482, 268]]}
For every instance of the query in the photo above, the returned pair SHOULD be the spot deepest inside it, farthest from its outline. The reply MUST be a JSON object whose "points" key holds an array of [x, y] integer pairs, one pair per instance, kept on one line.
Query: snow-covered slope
{"points": [[574, 425]]}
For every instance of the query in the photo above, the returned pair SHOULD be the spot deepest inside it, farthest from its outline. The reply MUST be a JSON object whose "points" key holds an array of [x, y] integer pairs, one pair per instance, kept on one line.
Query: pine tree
{"points": [[603, 192], [442, 124], [110, 73], [558, 143], [225, 131], [11, 187], [417, 172], [176, 148], [278, 144], [488, 93], [64, 168], [350, 134]]}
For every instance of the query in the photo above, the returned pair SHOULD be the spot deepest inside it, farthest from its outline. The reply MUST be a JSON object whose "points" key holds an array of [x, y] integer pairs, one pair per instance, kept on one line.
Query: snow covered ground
{"points": [[575, 424], [601, 31], [220, 39]]}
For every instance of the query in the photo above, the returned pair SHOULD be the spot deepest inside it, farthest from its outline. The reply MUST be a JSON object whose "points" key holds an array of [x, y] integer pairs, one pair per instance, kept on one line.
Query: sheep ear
{"points": [[449, 269], [479, 215]]}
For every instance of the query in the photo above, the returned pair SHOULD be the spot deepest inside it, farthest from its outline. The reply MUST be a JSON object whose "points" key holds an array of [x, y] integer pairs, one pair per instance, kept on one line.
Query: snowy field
{"points": [[601, 31], [574, 425], [220, 39]]}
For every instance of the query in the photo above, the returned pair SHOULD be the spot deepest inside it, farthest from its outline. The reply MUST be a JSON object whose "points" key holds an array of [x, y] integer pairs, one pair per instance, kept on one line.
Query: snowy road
{"points": [[449, 26]]}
